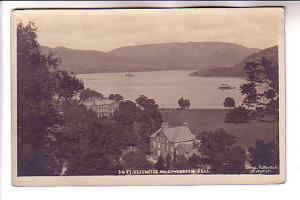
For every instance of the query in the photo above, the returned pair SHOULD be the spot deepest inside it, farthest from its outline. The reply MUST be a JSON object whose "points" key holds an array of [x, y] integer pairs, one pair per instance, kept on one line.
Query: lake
{"points": [[166, 87]]}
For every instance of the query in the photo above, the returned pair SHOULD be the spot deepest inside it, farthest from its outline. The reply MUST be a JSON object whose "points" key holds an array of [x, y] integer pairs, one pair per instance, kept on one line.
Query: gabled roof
{"points": [[176, 134]]}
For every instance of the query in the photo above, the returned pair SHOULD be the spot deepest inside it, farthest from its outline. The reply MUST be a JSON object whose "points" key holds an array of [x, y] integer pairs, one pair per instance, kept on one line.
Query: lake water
{"points": [[166, 87]]}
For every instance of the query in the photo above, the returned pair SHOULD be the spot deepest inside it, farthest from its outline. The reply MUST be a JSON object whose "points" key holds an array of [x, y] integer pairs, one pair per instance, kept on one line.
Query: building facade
{"points": [[103, 107], [172, 140]]}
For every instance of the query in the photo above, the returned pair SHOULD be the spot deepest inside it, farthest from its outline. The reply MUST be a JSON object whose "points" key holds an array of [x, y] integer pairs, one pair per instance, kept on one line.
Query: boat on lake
{"points": [[129, 75], [225, 86]]}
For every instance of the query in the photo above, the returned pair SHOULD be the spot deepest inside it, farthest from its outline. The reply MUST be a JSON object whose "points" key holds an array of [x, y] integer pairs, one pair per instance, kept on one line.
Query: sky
{"points": [[104, 29]]}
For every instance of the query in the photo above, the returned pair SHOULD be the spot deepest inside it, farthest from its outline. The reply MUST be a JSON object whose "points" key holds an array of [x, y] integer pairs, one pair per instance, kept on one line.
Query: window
{"points": [[154, 144], [158, 152], [158, 145]]}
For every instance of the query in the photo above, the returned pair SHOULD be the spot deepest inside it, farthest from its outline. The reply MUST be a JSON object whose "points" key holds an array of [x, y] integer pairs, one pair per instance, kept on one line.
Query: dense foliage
{"points": [[90, 146], [262, 87], [220, 151], [41, 88]]}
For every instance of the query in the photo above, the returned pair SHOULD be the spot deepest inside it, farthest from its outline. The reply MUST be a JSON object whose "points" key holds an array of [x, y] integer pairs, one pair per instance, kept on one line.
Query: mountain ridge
{"points": [[237, 70], [150, 57]]}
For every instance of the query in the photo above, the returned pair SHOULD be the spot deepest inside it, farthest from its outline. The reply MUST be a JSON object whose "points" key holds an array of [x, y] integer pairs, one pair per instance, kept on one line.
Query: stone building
{"points": [[169, 140], [103, 107]]}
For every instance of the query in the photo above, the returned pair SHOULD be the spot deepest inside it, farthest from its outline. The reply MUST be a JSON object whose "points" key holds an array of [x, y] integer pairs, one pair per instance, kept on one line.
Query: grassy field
{"points": [[212, 119]]}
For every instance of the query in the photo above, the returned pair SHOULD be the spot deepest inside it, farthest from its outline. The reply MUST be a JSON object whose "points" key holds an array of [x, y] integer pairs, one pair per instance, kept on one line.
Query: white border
{"points": [[153, 179]]}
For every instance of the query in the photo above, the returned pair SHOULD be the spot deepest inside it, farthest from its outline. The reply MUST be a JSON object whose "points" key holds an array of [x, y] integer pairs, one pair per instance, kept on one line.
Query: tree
{"points": [[116, 97], [67, 85], [145, 103], [160, 164], [88, 93], [237, 115], [126, 114], [265, 154], [229, 102], [220, 151], [262, 87], [149, 120], [41, 89], [184, 103]]}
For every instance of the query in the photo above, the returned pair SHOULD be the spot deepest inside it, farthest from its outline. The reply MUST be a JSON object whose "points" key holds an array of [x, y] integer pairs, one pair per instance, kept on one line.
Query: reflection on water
{"points": [[166, 87]]}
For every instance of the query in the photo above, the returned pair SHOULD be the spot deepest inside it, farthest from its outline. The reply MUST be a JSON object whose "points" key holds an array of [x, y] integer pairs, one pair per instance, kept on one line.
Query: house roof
{"points": [[176, 134]]}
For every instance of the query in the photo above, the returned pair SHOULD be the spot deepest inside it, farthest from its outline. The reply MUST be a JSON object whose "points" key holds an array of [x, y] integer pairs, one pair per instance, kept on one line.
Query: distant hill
{"points": [[238, 69], [190, 55], [91, 61], [163, 56]]}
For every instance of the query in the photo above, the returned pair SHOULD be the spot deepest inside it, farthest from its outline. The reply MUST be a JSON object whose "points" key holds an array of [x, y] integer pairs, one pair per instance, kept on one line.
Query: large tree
{"points": [[220, 151], [41, 87], [262, 87], [149, 120], [145, 103], [126, 114]]}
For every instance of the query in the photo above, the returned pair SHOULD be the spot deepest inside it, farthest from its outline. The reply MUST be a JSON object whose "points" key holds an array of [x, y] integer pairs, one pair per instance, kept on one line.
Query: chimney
{"points": [[164, 125]]}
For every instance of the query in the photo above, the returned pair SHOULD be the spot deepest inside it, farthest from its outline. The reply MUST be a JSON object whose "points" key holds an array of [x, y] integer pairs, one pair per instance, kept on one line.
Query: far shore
{"points": [[137, 71]]}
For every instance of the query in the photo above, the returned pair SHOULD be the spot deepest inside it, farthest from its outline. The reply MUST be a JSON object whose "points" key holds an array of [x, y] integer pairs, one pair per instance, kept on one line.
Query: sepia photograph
{"points": [[181, 96]]}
